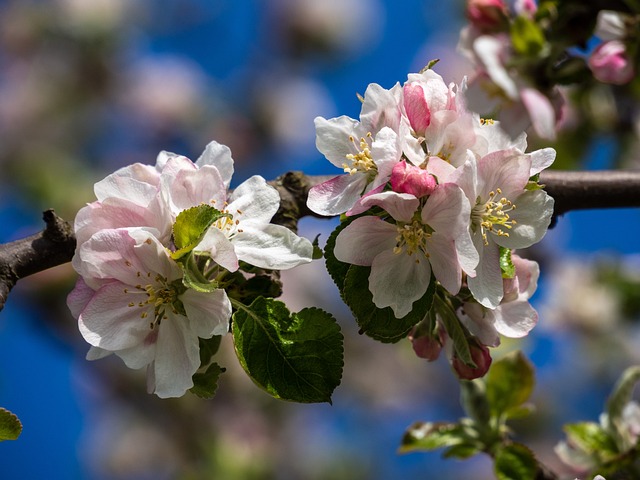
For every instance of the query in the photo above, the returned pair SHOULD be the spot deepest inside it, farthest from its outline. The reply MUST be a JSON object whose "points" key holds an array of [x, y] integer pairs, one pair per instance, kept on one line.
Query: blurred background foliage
{"points": [[88, 86]]}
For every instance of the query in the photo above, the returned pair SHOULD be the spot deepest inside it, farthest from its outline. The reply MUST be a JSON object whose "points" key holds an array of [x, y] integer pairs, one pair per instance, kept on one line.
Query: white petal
{"points": [[398, 280], [189, 188], [79, 297], [219, 156], [467, 253], [220, 248], [515, 319], [272, 246], [364, 239], [401, 206], [208, 313], [136, 183], [154, 256], [108, 322], [141, 355], [507, 170], [447, 211], [479, 321], [486, 286], [541, 159], [490, 50], [444, 262], [541, 112], [254, 201], [533, 214], [335, 137], [337, 195], [177, 358], [96, 353]]}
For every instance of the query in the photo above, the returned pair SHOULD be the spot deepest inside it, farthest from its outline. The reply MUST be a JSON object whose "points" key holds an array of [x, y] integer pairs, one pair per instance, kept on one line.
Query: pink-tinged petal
{"points": [[218, 156], [175, 164], [177, 358], [126, 187], [154, 256], [189, 188], [364, 239], [401, 206], [466, 177], [360, 207], [406, 178], [141, 355], [220, 248], [515, 319], [208, 313], [491, 50], [541, 112], [337, 195], [467, 253], [486, 286], [444, 262], [254, 201], [436, 92], [479, 321], [611, 63], [541, 159], [527, 273], [447, 211], [507, 170], [532, 216], [415, 105], [441, 169], [79, 297], [164, 157], [109, 322], [398, 280], [272, 246], [381, 108], [335, 138]]}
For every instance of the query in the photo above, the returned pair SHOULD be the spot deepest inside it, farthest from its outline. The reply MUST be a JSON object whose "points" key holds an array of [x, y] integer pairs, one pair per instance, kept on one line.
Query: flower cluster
{"points": [[612, 60], [434, 195], [153, 272]]}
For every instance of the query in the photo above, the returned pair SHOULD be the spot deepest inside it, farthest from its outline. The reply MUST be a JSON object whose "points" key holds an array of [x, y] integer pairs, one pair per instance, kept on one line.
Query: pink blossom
{"points": [[410, 179], [487, 15], [610, 63]]}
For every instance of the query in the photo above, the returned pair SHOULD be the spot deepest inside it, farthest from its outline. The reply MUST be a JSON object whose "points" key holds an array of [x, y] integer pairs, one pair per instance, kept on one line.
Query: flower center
{"points": [[160, 296], [227, 224], [412, 237], [361, 161], [493, 216]]}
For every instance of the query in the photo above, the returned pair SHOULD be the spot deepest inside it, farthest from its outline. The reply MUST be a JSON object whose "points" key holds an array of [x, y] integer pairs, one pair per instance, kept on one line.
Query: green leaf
{"points": [[515, 461], [510, 382], [426, 436], [506, 265], [292, 356], [622, 393], [337, 269], [473, 397], [380, 323], [455, 331], [191, 226], [10, 426], [317, 251], [462, 451], [591, 438], [205, 384], [208, 348], [527, 37]]}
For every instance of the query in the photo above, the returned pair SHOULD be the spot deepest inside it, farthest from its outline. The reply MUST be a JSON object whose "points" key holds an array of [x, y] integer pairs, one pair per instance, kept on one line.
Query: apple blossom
{"points": [[406, 178], [130, 300], [417, 239], [487, 15], [611, 63]]}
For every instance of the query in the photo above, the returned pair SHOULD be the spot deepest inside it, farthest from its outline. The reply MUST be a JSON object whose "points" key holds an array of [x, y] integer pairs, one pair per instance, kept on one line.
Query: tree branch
{"points": [[56, 244]]}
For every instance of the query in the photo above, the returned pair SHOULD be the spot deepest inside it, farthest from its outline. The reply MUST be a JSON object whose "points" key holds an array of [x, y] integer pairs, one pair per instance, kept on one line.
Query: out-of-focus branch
{"points": [[55, 245]]}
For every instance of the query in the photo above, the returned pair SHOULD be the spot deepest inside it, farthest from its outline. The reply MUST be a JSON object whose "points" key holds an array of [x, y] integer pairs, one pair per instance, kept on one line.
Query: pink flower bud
{"points": [[610, 63], [526, 7], [415, 104], [406, 178], [427, 346], [487, 14], [482, 358]]}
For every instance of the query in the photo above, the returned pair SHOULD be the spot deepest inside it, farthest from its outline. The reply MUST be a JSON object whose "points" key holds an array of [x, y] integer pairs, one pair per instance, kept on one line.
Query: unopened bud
{"points": [[415, 105], [482, 358], [487, 15], [427, 345], [406, 178], [610, 63]]}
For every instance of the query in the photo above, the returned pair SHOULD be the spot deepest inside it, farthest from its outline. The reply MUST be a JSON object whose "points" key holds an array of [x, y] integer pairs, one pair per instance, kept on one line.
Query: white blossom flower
{"points": [[130, 300]]}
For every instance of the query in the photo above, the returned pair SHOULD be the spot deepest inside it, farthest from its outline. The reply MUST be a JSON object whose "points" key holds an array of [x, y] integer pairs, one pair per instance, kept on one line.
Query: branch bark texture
{"points": [[56, 244]]}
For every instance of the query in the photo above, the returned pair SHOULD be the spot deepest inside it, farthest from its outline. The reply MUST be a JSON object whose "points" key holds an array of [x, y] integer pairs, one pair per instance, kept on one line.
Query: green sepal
{"points": [[10, 425], [205, 384], [193, 279], [430, 65], [381, 323], [527, 37], [455, 330], [190, 227], [317, 251], [506, 264], [515, 461], [510, 383], [292, 356]]}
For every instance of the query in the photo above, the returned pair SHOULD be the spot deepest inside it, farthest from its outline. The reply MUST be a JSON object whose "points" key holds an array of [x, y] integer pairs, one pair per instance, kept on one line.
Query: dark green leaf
{"points": [[208, 348], [515, 461], [510, 382], [590, 437], [292, 356], [425, 436], [317, 251], [10, 426], [473, 397], [337, 269], [191, 226], [380, 323], [455, 331], [205, 384], [462, 451], [506, 265]]}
